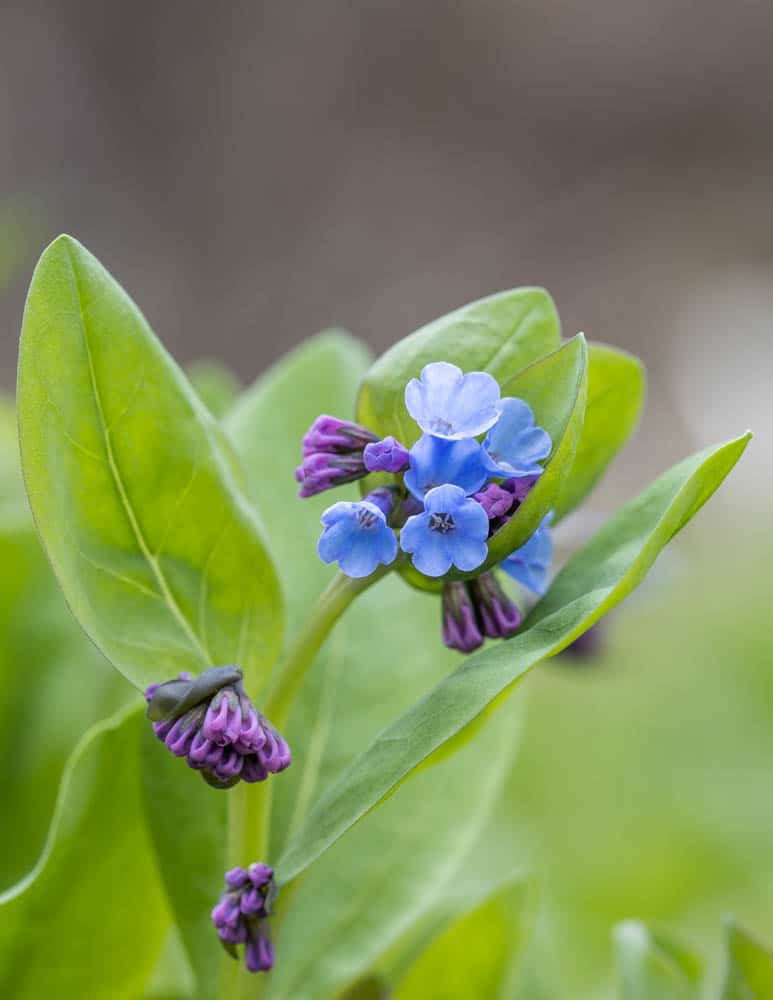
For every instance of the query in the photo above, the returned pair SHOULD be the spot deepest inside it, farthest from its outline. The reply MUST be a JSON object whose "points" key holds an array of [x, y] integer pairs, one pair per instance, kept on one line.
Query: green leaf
{"points": [[749, 972], [651, 966], [159, 556], [72, 927], [616, 389], [594, 581], [556, 389], [370, 899], [479, 947], [499, 334], [215, 384]]}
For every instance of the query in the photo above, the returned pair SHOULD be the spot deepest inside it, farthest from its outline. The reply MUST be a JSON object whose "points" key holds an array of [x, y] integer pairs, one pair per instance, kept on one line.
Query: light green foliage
{"points": [[599, 577], [616, 388], [216, 386], [158, 554], [476, 953], [650, 967], [89, 921], [53, 682], [749, 971], [500, 334]]}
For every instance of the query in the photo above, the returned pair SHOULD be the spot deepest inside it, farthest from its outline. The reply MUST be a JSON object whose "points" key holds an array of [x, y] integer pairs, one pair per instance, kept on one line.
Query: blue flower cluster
{"points": [[451, 492]]}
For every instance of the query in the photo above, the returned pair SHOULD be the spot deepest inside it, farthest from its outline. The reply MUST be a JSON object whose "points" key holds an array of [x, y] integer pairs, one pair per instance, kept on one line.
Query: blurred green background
{"points": [[254, 173]]}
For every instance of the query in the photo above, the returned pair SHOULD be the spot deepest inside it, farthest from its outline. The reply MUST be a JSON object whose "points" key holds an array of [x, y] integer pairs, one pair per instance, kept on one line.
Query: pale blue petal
{"points": [[434, 461], [451, 405], [467, 551], [515, 446], [530, 565]]}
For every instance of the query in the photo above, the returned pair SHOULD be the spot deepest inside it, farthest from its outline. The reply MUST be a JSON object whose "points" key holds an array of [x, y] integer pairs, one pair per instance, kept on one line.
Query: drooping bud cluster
{"points": [[211, 721], [476, 610], [332, 455], [241, 915]]}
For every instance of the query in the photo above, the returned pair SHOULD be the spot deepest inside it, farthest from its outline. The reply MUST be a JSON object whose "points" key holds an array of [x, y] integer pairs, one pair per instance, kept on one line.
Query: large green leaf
{"points": [[616, 388], [499, 334], [370, 898], [159, 556], [480, 946], [650, 966], [90, 919], [749, 971], [45, 661], [595, 580]]}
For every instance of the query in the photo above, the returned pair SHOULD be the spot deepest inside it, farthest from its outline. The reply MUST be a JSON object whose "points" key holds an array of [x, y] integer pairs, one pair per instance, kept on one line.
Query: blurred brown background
{"points": [[253, 172]]}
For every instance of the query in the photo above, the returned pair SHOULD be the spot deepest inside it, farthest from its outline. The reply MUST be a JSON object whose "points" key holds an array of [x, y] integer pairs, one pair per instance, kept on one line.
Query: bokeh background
{"points": [[254, 172]]}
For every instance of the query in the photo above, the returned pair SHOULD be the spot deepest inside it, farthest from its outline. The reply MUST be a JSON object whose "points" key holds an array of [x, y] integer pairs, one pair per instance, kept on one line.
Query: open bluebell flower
{"points": [[451, 531], [530, 565], [435, 462], [356, 536], [516, 446], [449, 404]]}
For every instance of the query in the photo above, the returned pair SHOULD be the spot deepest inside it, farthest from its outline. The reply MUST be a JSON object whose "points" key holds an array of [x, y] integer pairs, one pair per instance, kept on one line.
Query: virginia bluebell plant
{"points": [[162, 525], [461, 482]]}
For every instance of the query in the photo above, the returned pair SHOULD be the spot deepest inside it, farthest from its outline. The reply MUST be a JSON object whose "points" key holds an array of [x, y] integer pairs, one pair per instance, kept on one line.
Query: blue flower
{"points": [[451, 405], [530, 564], [435, 462], [357, 537], [451, 531], [515, 446]]}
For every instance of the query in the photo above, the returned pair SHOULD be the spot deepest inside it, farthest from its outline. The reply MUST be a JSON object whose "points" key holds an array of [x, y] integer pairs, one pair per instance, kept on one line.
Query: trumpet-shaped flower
{"points": [[436, 462], [515, 447], [356, 536], [451, 531], [449, 404]]}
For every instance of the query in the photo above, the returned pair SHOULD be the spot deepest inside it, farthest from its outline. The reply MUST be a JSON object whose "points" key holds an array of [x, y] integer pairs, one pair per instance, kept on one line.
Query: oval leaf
{"points": [[616, 390], [159, 555], [500, 334], [556, 390], [595, 580]]}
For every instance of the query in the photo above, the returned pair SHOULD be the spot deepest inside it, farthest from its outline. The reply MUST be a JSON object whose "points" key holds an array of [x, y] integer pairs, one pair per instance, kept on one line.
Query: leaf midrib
{"points": [[165, 590]]}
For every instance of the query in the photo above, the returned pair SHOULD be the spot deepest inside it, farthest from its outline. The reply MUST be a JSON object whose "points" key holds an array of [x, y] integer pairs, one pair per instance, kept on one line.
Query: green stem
{"points": [[249, 806]]}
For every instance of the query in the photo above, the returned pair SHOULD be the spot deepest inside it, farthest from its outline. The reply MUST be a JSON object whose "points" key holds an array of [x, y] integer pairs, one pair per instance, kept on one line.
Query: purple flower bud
{"points": [[385, 498], [241, 915], [387, 455], [520, 486], [211, 721], [495, 500], [323, 471], [460, 627], [498, 616], [328, 434], [332, 455], [588, 645]]}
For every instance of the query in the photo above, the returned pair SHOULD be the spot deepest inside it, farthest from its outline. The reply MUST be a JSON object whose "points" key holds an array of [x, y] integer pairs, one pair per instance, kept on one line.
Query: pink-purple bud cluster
{"points": [[241, 915], [220, 733]]}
